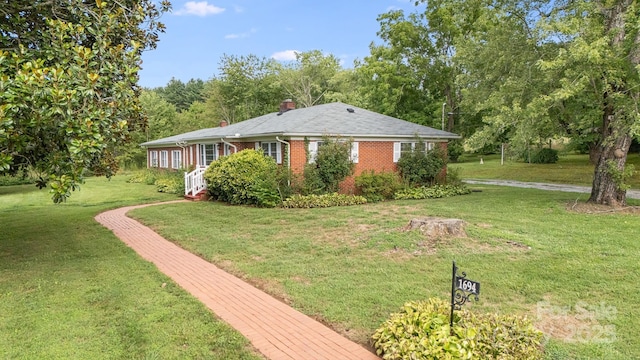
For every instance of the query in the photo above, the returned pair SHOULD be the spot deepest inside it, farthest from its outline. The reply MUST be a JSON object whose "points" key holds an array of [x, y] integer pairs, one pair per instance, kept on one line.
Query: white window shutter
{"points": [[354, 152], [429, 146], [258, 146], [278, 152], [396, 152], [313, 151]]}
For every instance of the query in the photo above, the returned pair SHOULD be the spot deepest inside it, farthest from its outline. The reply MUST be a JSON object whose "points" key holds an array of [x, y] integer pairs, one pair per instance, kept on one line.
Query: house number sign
{"points": [[462, 289]]}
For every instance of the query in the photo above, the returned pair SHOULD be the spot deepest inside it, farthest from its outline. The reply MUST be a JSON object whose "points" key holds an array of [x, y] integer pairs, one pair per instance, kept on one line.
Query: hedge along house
{"points": [[290, 134]]}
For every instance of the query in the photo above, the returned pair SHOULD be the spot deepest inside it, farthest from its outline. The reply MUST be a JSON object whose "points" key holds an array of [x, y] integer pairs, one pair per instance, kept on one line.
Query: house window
{"points": [[315, 145], [153, 157], [164, 159], [400, 148], [313, 150], [208, 153], [272, 149], [176, 159]]}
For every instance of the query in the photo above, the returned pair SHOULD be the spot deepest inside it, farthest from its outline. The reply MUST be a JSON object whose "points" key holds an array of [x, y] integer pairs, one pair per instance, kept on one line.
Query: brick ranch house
{"points": [[378, 140]]}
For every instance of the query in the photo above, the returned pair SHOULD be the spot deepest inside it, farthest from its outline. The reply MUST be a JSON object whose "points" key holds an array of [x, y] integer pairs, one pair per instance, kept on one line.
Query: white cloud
{"points": [[286, 55], [241, 35], [201, 8]]}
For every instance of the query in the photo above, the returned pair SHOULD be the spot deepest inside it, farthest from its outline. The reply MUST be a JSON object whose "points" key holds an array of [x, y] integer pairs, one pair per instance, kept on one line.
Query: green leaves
{"points": [[421, 331], [246, 177], [68, 92]]}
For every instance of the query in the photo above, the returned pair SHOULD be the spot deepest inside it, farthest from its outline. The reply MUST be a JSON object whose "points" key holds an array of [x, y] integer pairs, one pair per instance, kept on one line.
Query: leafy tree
{"points": [[599, 64], [182, 95], [309, 77], [559, 68], [247, 87], [68, 84]]}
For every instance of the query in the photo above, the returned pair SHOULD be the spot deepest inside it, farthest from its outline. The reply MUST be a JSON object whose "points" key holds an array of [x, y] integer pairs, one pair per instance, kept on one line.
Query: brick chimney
{"points": [[287, 105], [223, 123]]}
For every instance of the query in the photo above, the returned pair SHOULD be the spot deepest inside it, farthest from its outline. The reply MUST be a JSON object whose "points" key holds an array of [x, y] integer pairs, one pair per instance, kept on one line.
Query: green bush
{"points": [[454, 150], [7, 180], [378, 187], [166, 181], [170, 184], [147, 176], [419, 167], [431, 192], [421, 331], [545, 156], [324, 200], [453, 177], [330, 167], [246, 177]]}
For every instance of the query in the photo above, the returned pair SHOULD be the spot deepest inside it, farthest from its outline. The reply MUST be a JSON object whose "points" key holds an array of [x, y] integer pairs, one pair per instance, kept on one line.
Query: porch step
{"points": [[201, 196]]}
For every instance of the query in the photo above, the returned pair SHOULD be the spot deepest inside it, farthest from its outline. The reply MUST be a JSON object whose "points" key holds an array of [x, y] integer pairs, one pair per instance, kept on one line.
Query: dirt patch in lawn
{"points": [[590, 208]]}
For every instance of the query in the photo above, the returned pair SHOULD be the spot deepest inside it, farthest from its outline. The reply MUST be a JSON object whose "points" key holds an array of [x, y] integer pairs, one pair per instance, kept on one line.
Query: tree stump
{"points": [[434, 227]]}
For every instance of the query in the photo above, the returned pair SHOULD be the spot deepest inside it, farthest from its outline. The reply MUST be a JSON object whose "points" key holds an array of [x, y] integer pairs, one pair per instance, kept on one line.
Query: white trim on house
{"points": [[313, 151], [354, 152]]}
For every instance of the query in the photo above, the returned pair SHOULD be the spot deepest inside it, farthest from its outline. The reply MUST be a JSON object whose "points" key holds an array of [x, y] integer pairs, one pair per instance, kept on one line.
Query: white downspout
{"points": [[288, 151], [235, 148]]}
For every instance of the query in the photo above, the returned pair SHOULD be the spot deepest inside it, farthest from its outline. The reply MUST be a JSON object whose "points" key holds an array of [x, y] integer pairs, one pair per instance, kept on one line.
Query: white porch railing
{"points": [[194, 181]]}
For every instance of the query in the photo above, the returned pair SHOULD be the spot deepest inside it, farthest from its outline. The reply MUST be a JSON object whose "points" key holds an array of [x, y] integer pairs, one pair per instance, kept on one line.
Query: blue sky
{"points": [[199, 32]]}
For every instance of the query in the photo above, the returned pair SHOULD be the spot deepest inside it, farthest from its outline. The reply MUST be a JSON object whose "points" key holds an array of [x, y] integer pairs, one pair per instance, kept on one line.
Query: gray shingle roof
{"points": [[319, 120]]}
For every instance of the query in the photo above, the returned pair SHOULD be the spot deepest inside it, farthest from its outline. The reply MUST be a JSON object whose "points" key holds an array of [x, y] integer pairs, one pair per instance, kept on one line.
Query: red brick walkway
{"points": [[275, 329]]}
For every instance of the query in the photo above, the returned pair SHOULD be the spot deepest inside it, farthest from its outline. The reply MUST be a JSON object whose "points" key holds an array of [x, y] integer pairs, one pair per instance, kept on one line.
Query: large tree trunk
{"points": [[616, 138], [605, 188]]}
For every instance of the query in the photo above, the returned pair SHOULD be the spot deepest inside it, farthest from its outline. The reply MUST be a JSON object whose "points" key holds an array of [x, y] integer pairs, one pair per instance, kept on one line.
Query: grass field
{"points": [[69, 289], [570, 272], [570, 169]]}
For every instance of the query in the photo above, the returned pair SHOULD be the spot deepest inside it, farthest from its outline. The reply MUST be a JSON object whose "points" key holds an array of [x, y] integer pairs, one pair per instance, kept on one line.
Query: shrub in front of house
{"points": [[431, 192], [420, 167], [378, 186], [331, 165], [421, 331], [246, 177], [170, 182], [322, 200]]}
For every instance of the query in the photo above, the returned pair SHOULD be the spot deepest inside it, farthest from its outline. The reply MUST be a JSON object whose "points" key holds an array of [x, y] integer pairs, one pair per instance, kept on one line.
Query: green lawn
{"points": [[352, 266], [69, 289], [570, 169]]}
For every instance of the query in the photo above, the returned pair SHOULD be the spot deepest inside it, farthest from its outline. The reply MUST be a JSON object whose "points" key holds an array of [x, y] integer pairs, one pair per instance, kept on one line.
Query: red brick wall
{"points": [[372, 155]]}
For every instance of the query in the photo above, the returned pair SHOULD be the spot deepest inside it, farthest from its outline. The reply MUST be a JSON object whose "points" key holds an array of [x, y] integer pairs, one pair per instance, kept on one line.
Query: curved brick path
{"points": [[275, 329]]}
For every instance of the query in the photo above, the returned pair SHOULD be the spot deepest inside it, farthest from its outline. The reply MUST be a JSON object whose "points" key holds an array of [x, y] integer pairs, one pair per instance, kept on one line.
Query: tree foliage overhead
{"points": [[308, 79], [182, 95], [68, 84]]}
